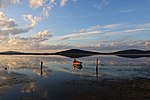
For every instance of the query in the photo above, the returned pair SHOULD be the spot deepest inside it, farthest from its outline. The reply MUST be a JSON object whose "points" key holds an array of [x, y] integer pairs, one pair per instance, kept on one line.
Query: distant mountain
{"points": [[10, 52], [147, 52], [77, 53], [131, 51], [22, 53]]}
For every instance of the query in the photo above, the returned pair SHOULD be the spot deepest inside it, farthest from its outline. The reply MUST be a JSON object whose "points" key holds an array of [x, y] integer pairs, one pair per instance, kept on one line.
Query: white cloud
{"points": [[110, 30], [119, 45], [15, 1], [97, 27], [43, 34], [13, 31], [27, 43], [63, 2], [111, 37], [36, 3], [7, 22], [7, 3], [52, 1], [91, 31], [79, 35], [47, 9], [33, 20], [9, 26]]}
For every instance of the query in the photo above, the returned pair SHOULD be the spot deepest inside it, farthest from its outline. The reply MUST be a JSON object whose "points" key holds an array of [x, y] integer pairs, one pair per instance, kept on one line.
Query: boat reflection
{"points": [[77, 64]]}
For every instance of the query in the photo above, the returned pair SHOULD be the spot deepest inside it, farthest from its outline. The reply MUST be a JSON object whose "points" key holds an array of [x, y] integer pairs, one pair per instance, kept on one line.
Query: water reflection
{"points": [[134, 55], [77, 64], [30, 87], [43, 75]]}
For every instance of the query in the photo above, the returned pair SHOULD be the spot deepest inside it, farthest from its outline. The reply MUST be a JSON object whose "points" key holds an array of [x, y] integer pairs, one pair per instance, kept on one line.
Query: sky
{"points": [[54, 25]]}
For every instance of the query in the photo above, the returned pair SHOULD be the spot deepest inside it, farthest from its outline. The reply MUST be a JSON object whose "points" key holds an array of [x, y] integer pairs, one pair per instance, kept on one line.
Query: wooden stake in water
{"points": [[97, 67], [41, 68]]}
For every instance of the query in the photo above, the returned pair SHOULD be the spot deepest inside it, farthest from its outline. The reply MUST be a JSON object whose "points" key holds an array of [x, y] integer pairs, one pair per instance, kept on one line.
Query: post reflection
{"points": [[41, 68], [97, 68]]}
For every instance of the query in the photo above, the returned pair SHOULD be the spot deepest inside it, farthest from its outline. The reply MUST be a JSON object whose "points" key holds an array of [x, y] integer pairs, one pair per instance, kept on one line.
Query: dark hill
{"points": [[131, 51], [22, 53], [77, 53], [11, 52]]}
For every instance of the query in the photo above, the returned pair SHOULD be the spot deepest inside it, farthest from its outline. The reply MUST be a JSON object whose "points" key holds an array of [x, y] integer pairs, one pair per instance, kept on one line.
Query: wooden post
{"points": [[97, 67], [41, 68]]}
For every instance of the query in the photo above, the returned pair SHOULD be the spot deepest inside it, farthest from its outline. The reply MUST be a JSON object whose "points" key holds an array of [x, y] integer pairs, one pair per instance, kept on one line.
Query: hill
{"points": [[22, 53], [76, 53], [131, 51]]}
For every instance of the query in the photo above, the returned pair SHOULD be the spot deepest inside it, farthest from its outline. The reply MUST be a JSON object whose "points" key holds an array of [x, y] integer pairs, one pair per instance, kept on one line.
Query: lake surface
{"points": [[21, 77]]}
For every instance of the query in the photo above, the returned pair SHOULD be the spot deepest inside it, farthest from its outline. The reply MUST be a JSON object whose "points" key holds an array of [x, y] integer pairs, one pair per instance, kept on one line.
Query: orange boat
{"points": [[75, 62]]}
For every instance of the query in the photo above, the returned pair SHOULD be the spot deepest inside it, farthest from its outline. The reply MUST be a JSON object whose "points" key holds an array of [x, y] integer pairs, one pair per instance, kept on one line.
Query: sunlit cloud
{"points": [[7, 3], [9, 26], [27, 43], [33, 20], [109, 30], [46, 5], [79, 35], [44, 34], [117, 45], [36, 3], [7, 22]]}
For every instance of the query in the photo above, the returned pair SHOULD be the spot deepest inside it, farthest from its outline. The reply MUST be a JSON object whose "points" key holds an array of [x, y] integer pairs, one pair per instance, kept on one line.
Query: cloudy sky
{"points": [[50, 25]]}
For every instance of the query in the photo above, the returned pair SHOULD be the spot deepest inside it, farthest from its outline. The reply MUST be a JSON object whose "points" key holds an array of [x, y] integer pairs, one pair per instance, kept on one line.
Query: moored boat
{"points": [[75, 62]]}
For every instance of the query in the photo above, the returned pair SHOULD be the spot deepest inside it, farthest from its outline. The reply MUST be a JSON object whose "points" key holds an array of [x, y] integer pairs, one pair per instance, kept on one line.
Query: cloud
{"points": [[101, 3], [27, 43], [119, 45], [109, 30], [91, 31], [46, 5], [9, 26], [111, 37], [79, 35], [52, 1], [44, 34], [15, 1], [7, 3], [7, 22], [33, 20], [127, 10], [14, 31], [63, 2], [47, 8], [36, 3], [97, 27]]}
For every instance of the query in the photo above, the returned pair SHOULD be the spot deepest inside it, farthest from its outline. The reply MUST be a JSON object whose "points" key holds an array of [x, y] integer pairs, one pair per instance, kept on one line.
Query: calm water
{"points": [[21, 77]]}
